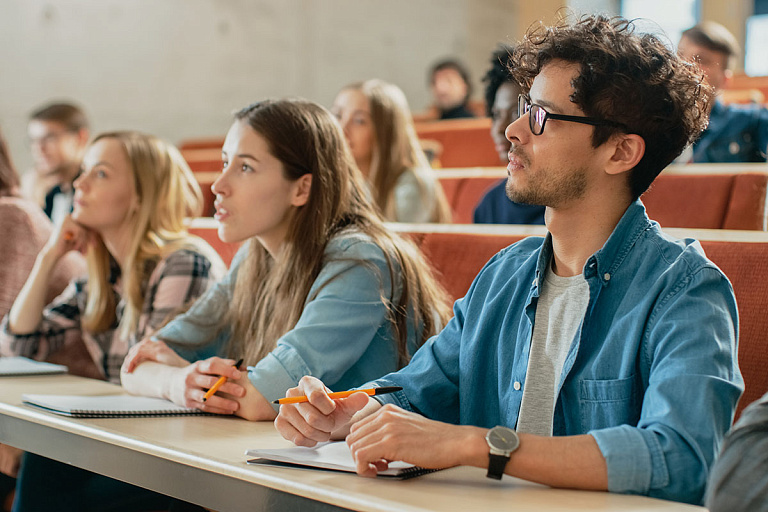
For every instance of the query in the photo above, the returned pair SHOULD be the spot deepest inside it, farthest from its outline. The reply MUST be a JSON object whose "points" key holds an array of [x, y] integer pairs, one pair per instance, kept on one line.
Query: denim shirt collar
{"points": [[609, 258]]}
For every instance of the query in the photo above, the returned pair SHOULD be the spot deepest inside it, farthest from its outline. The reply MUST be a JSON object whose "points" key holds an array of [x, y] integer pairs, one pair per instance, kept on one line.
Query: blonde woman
{"points": [[379, 129], [129, 206], [321, 285]]}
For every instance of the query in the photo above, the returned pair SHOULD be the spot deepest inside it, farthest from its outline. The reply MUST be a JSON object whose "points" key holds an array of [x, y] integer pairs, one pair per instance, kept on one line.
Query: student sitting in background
{"points": [[320, 286], [24, 230], [58, 134], [451, 89], [501, 94], [130, 203], [609, 346], [379, 130], [736, 133]]}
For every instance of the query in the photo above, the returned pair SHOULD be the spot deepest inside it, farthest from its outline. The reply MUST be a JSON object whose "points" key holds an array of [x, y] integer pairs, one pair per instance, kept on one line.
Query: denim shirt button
{"points": [[607, 276], [516, 385]]}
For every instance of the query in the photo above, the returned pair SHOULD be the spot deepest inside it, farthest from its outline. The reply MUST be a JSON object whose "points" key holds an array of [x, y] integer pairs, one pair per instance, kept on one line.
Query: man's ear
{"points": [[82, 137], [301, 190], [628, 150]]}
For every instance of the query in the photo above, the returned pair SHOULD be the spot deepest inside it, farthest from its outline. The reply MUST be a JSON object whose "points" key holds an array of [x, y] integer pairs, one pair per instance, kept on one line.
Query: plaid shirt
{"points": [[174, 282]]}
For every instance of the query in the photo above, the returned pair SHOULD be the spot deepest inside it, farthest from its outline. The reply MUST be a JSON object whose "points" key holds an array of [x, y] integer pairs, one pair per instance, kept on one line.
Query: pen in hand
{"points": [[208, 394], [341, 394]]}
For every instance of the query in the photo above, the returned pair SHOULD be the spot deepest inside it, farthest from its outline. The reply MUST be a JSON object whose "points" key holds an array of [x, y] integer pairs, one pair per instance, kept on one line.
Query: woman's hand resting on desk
{"points": [[150, 349], [188, 386], [152, 368], [236, 396]]}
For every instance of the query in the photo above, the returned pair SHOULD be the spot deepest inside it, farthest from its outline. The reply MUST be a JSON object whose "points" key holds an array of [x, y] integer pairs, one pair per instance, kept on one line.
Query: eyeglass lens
{"points": [[537, 116]]}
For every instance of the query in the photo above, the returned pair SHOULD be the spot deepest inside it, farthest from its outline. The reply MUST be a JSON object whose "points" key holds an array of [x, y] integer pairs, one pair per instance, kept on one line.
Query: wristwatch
{"points": [[502, 441]]}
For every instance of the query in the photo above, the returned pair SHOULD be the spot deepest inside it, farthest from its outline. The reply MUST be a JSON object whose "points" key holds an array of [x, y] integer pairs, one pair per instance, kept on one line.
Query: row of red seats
{"points": [[458, 252]]}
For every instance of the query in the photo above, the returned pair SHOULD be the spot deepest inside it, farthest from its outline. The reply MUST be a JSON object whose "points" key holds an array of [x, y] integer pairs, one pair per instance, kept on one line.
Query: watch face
{"points": [[503, 438]]}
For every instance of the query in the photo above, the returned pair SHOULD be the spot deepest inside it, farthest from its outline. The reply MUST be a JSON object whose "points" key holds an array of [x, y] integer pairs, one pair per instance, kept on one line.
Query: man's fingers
{"points": [[309, 422], [353, 403], [291, 433]]}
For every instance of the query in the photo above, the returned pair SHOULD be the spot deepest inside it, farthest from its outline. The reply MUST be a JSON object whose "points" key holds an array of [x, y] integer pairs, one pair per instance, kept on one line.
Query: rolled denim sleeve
{"points": [[196, 334], [693, 385], [343, 317]]}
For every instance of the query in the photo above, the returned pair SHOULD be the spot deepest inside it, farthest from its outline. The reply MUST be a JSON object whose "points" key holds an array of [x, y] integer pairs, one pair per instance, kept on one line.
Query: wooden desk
{"points": [[201, 459]]}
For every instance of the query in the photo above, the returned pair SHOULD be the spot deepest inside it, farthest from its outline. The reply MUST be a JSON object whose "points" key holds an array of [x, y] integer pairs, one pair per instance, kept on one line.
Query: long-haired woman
{"points": [[321, 286], [379, 128], [130, 203]]}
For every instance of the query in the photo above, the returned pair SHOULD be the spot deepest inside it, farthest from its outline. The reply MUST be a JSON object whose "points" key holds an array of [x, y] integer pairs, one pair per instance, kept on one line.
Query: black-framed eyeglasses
{"points": [[537, 116]]}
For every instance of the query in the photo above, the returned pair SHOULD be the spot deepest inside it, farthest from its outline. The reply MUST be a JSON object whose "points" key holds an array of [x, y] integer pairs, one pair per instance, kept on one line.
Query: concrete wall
{"points": [[177, 68]]}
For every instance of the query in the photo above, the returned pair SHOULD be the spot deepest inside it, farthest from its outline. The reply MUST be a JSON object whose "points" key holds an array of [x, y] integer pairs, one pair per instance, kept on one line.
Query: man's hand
{"points": [[309, 423], [393, 434]]}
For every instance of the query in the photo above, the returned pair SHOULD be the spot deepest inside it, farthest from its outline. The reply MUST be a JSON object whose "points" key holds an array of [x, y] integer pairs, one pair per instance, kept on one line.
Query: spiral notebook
{"points": [[107, 406], [332, 456], [14, 366]]}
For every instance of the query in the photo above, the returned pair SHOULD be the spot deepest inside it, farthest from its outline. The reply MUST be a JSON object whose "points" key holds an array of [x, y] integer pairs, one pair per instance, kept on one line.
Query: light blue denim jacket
{"points": [[651, 374], [343, 336]]}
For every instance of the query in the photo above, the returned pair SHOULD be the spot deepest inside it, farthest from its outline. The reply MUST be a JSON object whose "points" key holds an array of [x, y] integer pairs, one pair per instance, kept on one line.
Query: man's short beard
{"points": [[547, 189]]}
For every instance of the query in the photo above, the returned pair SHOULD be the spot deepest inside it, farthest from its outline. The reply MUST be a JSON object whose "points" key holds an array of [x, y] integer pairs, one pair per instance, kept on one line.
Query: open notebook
{"points": [[333, 456], [13, 366], [107, 406]]}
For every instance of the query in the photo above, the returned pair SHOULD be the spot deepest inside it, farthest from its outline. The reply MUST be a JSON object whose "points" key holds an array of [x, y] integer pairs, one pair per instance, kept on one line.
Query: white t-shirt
{"points": [[559, 313]]}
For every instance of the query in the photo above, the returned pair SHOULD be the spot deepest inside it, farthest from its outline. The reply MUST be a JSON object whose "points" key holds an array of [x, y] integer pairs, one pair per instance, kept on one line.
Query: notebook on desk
{"points": [[15, 366], [332, 456], [107, 406]]}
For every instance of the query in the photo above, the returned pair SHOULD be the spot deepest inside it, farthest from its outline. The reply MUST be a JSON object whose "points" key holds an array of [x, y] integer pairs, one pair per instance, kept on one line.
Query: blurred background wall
{"points": [[177, 68]]}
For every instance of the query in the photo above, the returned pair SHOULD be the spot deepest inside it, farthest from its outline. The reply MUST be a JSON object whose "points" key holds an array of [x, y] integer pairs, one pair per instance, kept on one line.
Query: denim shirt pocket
{"points": [[608, 403]]}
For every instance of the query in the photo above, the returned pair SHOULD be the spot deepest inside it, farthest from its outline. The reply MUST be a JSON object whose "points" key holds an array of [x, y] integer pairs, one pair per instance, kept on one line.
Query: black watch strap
{"points": [[496, 465]]}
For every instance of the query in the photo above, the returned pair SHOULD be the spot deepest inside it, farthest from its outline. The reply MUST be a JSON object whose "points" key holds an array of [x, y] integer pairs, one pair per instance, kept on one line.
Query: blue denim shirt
{"points": [[651, 374], [342, 337], [736, 133]]}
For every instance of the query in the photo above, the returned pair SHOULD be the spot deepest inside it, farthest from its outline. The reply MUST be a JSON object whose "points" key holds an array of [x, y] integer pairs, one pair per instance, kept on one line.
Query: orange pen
{"points": [[208, 394], [341, 394]]}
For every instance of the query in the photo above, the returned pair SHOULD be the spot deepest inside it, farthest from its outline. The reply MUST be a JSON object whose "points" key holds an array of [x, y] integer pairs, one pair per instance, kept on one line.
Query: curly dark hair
{"points": [[631, 79], [498, 74]]}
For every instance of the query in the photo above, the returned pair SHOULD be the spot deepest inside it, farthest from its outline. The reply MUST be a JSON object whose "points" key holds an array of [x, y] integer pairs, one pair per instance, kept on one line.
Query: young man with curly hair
{"points": [[609, 347]]}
